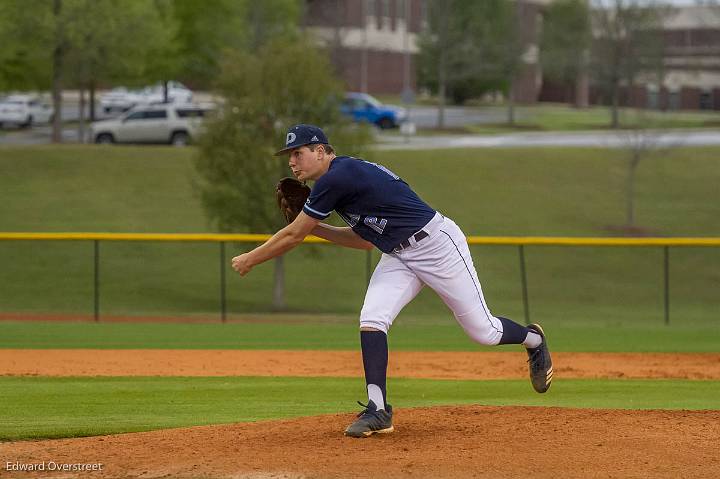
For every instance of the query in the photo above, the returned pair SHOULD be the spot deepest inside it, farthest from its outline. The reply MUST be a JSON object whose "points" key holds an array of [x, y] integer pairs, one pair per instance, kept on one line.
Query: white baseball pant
{"points": [[442, 261]]}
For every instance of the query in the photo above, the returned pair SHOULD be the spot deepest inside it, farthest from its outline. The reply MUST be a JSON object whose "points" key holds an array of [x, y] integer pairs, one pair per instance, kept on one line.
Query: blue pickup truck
{"points": [[363, 107]]}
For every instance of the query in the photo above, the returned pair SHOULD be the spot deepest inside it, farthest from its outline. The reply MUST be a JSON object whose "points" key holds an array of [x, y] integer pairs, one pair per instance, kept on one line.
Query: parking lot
{"points": [[41, 133], [421, 116]]}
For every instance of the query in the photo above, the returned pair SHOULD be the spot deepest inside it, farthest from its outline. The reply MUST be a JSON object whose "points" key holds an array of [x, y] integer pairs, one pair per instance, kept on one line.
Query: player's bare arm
{"points": [[280, 243], [343, 236]]}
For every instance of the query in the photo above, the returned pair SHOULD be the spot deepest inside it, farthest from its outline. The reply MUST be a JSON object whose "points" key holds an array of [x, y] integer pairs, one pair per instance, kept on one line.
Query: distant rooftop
{"points": [[692, 17]]}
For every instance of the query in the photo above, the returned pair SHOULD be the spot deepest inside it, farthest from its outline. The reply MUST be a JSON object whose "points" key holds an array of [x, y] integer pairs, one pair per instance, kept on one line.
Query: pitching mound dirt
{"points": [[448, 442], [452, 442]]}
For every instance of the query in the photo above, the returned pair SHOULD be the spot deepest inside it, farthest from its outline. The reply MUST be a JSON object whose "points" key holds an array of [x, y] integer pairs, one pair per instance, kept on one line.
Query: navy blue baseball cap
{"points": [[301, 135]]}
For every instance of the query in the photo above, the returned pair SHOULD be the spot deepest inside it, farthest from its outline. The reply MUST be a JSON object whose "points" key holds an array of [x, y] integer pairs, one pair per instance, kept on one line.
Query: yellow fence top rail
{"points": [[578, 241], [258, 238]]}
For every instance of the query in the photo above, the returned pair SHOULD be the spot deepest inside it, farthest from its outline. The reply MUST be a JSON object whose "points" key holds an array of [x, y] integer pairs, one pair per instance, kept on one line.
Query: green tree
{"points": [[24, 59], [34, 46], [207, 29], [565, 45], [162, 58], [641, 142], [468, 48], [107, 43], [501, 47], [627, 43], [81, 43], [285, 82], [435, 49], [204, 32]]}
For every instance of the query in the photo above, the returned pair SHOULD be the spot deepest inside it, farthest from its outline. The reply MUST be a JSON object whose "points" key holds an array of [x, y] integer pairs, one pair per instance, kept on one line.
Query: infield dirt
{"points": [[438, 442], [409, 364]]}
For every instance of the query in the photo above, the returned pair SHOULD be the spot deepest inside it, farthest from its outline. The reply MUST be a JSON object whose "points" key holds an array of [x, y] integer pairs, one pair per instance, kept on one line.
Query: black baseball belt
{"points": [[419, 236]]}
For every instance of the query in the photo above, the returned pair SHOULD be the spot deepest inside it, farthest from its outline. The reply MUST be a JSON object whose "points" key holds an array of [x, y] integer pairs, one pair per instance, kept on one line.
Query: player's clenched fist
{"points": [[241, 264]]}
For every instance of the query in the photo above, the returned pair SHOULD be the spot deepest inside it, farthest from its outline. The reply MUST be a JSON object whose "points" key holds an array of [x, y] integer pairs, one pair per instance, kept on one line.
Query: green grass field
{"points": [[564, 118], [67, 407], [576, 192], [341, 333]]}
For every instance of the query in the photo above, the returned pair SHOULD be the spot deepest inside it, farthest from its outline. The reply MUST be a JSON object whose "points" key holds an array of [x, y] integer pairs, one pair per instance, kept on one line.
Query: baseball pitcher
{"points": [[420, 247]]}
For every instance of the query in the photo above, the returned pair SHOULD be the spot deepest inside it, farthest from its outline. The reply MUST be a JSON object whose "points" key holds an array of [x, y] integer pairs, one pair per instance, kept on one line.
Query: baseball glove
{"points": [[291, 196]]}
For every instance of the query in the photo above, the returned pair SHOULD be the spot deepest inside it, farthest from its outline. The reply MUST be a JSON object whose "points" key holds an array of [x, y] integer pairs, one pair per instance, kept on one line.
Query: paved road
{"points": [[42, 134], [71, 112], [602, 139]]}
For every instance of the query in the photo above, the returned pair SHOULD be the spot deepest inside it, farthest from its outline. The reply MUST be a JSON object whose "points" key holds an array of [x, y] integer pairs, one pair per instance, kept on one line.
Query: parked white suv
{"points": [[166, 123], [24, 110]]}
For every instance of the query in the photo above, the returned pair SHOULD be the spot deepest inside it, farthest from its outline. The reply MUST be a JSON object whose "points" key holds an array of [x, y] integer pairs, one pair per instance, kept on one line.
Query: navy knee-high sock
{"points": [[513, 333], [375, 359]]}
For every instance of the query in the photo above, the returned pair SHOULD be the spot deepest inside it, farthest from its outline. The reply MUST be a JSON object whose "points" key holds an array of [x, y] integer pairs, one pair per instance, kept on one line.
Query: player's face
{"points": [[305, 164]]}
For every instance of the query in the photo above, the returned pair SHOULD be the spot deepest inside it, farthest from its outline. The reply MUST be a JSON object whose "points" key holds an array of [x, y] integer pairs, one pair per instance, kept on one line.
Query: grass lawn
{"points": [[338, 333], [564, 118], [561, 117], [575, 192], [44, 407]]}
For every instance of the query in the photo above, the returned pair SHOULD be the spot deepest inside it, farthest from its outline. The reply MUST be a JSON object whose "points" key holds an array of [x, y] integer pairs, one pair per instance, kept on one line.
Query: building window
{"points": [[423, 14], [402, 12], [653, 98], [383, 14], [370, 8], [673, 100], [395, 14], [706, 100]]}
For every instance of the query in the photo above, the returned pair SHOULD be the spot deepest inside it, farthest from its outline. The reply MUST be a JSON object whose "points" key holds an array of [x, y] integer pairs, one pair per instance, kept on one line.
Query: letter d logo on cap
{"points": [[290, 138]]}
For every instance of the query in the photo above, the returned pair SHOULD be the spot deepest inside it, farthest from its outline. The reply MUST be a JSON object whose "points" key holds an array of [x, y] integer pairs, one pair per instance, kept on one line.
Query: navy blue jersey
{"points": [[378, 205]]}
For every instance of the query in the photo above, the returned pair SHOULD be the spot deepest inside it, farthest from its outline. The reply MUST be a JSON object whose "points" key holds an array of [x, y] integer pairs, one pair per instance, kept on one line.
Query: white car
{"points": [[176, 124], [24, 110], [122, 99], [177, 93]]}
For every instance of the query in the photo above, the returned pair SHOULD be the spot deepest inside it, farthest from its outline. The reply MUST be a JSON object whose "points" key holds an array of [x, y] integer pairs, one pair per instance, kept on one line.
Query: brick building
{"points": [[373, 43], [691, 37], [692, 62], [529, 81]]}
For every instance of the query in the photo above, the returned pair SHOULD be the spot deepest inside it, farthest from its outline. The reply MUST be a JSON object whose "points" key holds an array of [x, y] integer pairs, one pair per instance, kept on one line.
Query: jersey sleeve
{"points": [[325, 197]]}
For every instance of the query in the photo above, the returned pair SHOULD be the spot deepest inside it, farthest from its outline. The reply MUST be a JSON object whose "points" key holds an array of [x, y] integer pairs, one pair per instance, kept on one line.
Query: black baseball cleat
{"points": [[540, 364], [371, 421]]}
